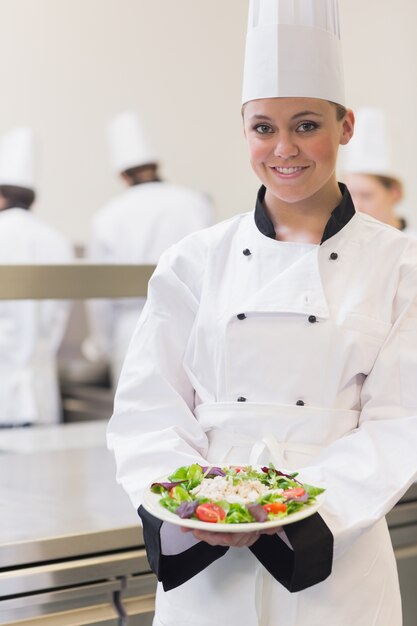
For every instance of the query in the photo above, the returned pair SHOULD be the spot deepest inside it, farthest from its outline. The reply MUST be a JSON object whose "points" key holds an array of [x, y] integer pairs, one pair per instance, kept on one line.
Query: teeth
{"points": [[288, 170]]}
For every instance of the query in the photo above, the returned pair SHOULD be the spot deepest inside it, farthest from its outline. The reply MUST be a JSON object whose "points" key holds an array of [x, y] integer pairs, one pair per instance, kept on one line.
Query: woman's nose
{"points": [[286, 147]]}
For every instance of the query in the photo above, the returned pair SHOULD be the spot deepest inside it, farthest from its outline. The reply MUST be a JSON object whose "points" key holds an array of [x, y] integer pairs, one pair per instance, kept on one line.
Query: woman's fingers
{"points": [[228, 539], [236, 540]]}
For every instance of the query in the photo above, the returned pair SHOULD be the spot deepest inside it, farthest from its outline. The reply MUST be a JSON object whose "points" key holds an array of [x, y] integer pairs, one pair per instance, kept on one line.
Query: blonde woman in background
{"points": [[368, 171]]}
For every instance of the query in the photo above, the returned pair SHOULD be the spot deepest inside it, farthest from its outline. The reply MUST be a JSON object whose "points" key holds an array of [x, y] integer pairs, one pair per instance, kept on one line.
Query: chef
{"points": [[136, 227], [288, 335], [30, 331], [369, 173]]}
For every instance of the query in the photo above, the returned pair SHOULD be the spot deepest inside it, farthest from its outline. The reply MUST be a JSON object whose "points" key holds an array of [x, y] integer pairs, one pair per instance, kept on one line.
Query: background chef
{"points": [[287, 334], [369, 172], [136, 227], [30, 331]]}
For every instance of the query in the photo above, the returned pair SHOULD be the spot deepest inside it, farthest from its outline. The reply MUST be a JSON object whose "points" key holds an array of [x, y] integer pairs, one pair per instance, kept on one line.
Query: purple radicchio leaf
{"points": [[257, 512], [302, 498], [187, 509], [278, 473], [167, 486], [212, 471]]}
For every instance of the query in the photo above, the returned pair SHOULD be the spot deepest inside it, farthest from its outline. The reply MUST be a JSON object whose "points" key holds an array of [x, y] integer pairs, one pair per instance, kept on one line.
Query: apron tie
{"points": [[268, 447], [263, 587], [277, 450]]}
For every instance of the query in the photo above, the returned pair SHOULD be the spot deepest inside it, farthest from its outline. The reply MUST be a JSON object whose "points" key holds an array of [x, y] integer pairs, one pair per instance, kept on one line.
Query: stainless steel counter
{"points": [[65, 525], [56, 504], [54, 437], [70, 540]]}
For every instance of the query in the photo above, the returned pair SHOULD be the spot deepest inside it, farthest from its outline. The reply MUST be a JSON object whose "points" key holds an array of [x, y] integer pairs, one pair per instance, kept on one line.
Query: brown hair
{"points": [[17, 197], [141, 173], [389, 182], [340, 110]]}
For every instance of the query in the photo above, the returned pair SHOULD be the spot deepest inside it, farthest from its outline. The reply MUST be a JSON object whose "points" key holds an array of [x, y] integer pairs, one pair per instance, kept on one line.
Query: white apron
{"points": [[31, 331], [233, 315], [29, 392], [237, 590]]}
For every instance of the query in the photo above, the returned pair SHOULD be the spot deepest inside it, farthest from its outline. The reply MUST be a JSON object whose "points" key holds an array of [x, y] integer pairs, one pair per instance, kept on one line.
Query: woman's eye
{"points": [[306, 127], [263, 129]]}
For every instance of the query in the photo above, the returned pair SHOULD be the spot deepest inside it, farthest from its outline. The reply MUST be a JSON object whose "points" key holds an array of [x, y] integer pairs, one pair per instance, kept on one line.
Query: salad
{"points": [[234, 495]]}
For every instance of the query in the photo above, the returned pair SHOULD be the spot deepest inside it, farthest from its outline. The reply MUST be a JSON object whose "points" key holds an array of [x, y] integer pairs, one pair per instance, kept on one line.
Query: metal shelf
{"points": [[79, 280]]}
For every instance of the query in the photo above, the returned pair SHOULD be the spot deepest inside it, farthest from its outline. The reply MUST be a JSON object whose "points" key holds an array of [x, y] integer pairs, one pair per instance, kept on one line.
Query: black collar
{"points": [[145, 182], [403, 223], [340, 216]]}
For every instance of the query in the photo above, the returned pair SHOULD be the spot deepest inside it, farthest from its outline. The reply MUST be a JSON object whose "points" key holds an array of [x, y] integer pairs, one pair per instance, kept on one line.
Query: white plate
{"points": [[151, 504]]}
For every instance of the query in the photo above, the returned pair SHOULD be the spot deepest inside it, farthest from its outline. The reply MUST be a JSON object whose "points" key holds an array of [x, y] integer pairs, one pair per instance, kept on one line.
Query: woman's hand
{"points": [[235, 540], [232, 540]]}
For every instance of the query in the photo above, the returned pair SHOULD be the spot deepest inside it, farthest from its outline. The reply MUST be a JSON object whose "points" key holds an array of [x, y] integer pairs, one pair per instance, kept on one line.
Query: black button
{"points": [[241, 399], [241, 316], [333, 256], [300, 403], [312, 319], [247, 252]]}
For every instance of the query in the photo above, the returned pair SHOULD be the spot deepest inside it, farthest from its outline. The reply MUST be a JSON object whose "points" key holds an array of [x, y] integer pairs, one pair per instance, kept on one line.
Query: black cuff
{"points": [[310, 560], [174, 570]]}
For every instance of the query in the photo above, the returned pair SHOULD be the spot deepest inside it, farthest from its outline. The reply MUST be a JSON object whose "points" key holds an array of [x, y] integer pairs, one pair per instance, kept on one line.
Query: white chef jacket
{"points": [[410, 232], [250, 350], [136, 227], [30, 331]]}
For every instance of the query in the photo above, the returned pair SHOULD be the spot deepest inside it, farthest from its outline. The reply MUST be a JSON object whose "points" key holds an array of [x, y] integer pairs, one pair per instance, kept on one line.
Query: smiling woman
{"points": [[274, 337], [293, 145]]}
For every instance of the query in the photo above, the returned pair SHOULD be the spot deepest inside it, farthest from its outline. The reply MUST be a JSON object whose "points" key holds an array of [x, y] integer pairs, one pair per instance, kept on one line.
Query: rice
{"points": [[222, 488]]}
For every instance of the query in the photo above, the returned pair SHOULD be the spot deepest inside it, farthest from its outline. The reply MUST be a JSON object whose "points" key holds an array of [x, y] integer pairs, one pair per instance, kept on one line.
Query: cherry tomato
{"points": [[209, 512], [297, 492], [239, 469], [275, 507]]}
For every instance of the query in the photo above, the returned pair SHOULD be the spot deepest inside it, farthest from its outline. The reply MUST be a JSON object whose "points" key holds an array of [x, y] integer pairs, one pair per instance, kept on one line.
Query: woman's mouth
{"points": [[289, 172]]}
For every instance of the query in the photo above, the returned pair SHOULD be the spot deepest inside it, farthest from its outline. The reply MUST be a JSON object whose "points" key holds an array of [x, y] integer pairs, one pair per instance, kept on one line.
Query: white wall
{"points": [[67, 66]]}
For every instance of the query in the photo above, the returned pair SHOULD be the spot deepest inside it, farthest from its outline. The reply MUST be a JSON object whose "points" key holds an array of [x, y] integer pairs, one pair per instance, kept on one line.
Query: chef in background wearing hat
{"points": [[368, 172], [30, 331], [285, 335], [135, 227]]}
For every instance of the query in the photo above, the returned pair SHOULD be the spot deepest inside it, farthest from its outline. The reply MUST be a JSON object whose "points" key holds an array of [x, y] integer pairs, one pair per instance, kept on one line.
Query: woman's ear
{"points": [[396, 191], [348, 124]]}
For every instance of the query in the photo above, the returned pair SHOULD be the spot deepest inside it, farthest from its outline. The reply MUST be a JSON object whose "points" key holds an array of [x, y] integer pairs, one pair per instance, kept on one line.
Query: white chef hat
{"points": [[293, 49], [17, 158], [368, 151], [128, 144]]}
